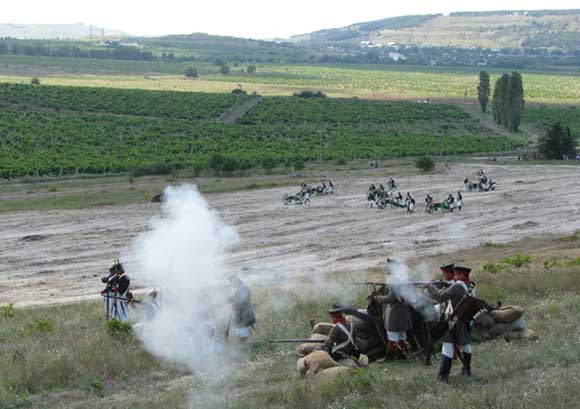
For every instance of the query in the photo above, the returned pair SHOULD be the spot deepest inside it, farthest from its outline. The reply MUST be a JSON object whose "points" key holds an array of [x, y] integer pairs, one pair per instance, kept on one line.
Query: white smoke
{"points": [[400, 279], [184, 255]]}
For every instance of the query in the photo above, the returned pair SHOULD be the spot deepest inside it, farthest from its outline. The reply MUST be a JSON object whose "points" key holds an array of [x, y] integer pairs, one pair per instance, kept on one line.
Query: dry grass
{"points": [[77, 364]]}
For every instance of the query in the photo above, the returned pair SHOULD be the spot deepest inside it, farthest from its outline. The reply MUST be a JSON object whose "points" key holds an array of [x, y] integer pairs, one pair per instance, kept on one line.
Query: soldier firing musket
{"points": [[116, 293]]}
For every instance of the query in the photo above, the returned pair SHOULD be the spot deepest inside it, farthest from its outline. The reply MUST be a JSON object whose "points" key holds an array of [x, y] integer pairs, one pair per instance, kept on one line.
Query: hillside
{"points": [[553, 29], [56, 31]]}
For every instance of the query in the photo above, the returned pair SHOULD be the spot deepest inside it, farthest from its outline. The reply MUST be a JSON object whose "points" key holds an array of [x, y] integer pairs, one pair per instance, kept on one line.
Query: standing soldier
{"points": [[457, 334], [122, 294], [397, 322], [242, 309], [341, 341], [108, 293], [459, 203]]}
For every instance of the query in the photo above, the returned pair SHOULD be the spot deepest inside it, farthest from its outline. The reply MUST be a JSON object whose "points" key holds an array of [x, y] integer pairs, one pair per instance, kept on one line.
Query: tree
{"points": [[191, 72], [425, 163], [268, 164], [251, 69], [225, 69], [557, 142], [35, 81], [508, 101], [483, 90], [515, 101]]}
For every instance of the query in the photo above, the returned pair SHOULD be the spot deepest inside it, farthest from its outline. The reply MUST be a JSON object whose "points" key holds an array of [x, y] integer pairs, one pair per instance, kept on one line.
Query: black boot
{"points": [[444, 369], [466, 370]]}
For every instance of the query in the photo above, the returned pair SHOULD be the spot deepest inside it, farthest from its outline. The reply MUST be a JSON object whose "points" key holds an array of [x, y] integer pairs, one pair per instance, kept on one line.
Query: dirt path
{"points": [[72, 248], [237, 111], [473, 109]]}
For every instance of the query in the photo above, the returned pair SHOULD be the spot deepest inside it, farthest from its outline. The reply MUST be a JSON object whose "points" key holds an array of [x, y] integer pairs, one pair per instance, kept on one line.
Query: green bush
{"points": [[191, 72], [119, 329], [7, 311], [425, 163], [517, 260], [35, 81], [341, 161]]}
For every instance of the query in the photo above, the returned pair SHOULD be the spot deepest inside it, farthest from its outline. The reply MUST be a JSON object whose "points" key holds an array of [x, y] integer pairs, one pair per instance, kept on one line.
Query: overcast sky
{"points": [[244, 18]]}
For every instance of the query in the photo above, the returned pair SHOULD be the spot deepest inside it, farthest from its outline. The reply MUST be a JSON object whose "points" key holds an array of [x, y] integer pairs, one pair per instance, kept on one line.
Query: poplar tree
{"points": [[483, 90]]}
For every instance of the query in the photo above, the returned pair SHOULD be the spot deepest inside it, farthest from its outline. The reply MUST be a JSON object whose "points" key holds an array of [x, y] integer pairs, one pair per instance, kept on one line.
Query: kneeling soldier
{"points": [[341, 342]]}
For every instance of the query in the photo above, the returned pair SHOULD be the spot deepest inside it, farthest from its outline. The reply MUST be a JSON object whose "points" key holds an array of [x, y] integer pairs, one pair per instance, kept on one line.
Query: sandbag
{"points": [[506, 315], [484, 320], [307, 348], [322, 328], [363, 360], [319, 336], [332, 373], [315, 362], [500, 329], [349, 363], [525, 334]]}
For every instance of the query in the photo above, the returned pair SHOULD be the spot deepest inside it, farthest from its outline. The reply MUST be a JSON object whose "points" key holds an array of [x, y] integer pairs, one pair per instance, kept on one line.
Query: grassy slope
{"points": [[487, 30], [78, 364]]}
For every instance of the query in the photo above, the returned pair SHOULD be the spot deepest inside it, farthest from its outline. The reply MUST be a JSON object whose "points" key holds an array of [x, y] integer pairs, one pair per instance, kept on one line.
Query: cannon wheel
{"points": [[286, 199]]}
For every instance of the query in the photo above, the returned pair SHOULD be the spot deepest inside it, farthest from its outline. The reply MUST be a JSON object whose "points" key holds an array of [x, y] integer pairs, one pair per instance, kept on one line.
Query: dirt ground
{"points": [[58, 256]]}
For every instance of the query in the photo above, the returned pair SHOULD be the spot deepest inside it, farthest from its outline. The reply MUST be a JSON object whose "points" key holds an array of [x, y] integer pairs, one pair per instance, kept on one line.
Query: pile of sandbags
{"points": [[320, 363], [504, 322]]}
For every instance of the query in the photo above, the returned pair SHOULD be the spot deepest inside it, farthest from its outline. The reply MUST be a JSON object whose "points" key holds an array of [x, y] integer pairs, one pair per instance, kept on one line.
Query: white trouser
{"points": [[449, 349], [122, 311], [395, 336]]}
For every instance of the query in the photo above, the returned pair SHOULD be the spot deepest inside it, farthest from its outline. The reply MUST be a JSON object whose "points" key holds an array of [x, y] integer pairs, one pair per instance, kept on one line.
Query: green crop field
{"points": [[543, 116], [271, 79], [40, 142], [348, 111], [167, 104]]}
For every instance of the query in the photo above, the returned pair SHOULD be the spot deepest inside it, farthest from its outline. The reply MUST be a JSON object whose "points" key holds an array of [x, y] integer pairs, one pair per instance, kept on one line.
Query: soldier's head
{"points": [[462, 273], [448, 271], [336, 313], [235, 280]]}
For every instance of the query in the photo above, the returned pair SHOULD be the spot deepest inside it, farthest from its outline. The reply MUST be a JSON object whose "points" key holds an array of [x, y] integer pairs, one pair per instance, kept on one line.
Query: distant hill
{"points": [[56, 31], [552, 29]]}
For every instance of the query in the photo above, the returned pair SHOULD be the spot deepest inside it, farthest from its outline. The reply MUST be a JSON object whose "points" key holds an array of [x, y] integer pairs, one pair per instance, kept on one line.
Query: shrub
{"points": [[517, 260], [225, 69], [425, 163], [35, 81], [118, 329], [7, 311], [191, 72], [310, 94], [341, 161], [251, 69]]}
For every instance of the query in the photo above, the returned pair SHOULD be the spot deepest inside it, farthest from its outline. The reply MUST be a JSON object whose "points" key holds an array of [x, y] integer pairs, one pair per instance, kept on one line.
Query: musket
{"points": [[436, 283], [297, 340]]}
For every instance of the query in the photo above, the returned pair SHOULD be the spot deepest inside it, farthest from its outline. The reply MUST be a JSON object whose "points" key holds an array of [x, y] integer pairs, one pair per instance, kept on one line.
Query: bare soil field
{"points": [[58, 256]]}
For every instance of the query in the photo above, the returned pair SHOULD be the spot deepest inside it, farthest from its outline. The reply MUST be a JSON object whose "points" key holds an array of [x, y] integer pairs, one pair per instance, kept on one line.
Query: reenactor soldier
{"points": [[457, 334], [398, 321], [116, 293], [242, 309], [341, 342]]}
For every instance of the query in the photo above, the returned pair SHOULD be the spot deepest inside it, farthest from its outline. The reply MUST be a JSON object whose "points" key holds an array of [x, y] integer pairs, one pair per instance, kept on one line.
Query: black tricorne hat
{"points": [[447, 268], [463, 270], [336, 309]]}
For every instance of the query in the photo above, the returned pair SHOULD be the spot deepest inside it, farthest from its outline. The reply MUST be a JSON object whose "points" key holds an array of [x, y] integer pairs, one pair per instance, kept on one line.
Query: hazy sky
{"points": [[244, 18]]}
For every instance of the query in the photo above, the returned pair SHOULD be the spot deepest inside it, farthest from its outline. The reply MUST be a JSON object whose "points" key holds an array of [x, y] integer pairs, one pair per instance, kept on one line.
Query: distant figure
{"points": [[116, 293], [459, 201], [242, 309]]}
